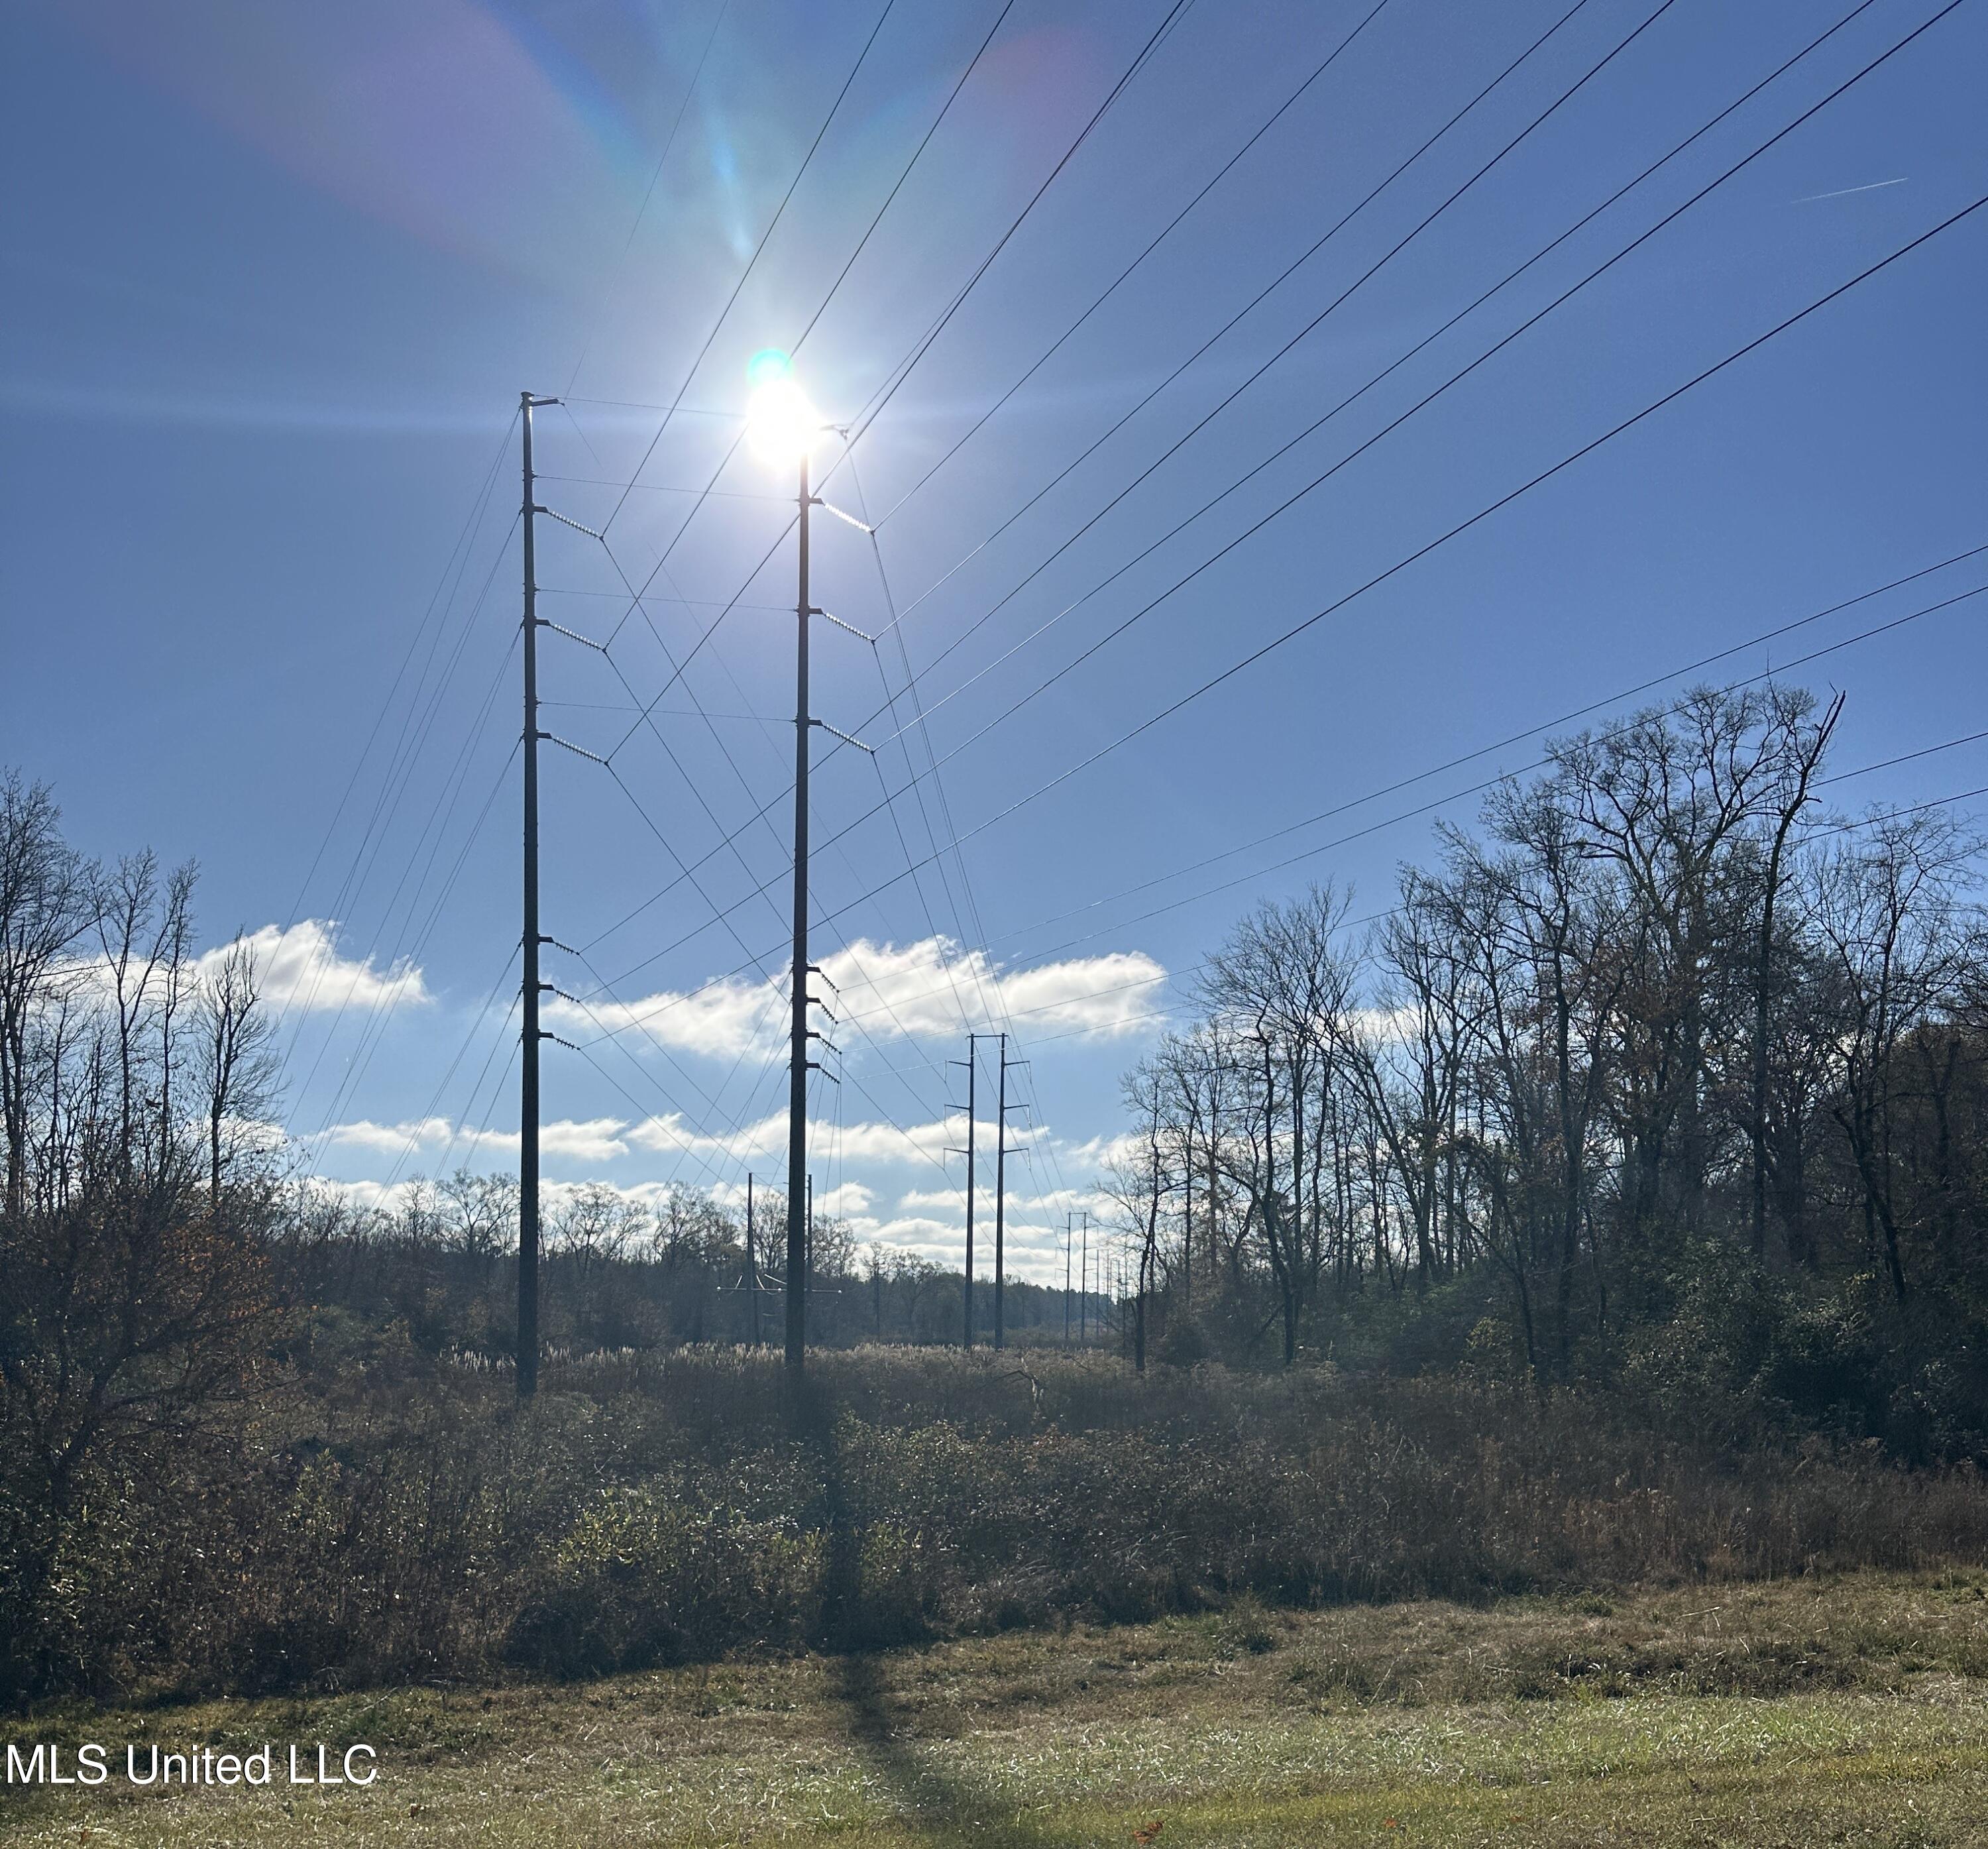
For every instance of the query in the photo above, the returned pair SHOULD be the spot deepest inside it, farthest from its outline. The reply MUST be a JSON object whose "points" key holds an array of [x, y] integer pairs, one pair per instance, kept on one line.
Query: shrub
{"points": [[642, 1578], [403, 1518]]}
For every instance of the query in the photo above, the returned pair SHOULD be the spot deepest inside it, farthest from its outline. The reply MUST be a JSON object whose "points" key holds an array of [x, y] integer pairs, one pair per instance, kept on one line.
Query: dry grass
{"points": [[1802, 1713]]}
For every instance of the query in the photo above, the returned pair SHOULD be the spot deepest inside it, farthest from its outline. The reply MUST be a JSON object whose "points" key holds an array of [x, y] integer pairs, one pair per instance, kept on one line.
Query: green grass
{"points": [[1795, 1713]]}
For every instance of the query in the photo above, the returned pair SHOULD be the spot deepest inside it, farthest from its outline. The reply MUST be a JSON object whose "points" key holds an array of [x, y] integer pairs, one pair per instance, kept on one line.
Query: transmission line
{"points": [[1376, 436], [1302, 627], [752, 262], [1503, 281], [1353, 397], [1461, 527]]}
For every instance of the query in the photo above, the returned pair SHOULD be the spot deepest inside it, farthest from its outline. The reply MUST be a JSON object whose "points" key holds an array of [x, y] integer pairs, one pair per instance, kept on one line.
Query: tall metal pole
{"points": [[528, 1084], [797, 1175], [972, 1125], [751, 1259], [1069, 1240], [1000, 1194], [1083, 1289]]}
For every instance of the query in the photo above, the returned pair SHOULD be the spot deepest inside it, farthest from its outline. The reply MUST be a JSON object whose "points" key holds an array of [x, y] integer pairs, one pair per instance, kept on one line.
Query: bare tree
{"points": [[241, 1066], [1890, 910], [50, 899]]}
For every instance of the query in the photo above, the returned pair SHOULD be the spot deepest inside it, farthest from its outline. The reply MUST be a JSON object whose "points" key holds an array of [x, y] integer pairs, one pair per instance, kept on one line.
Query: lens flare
{"points": [[782, 426], [768, 366]]}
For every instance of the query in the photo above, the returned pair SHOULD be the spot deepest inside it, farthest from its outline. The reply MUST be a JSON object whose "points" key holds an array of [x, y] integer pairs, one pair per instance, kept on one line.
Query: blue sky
{"points": [[276, 274]]}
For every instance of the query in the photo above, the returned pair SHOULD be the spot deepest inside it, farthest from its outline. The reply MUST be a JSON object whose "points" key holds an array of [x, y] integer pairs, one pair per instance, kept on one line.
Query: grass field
{"points": [[1792, 1713]]}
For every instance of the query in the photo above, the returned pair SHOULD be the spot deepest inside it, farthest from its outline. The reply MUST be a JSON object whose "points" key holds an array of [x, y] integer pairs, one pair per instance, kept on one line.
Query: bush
{"points": [[641, 1578], [405, 1520]]}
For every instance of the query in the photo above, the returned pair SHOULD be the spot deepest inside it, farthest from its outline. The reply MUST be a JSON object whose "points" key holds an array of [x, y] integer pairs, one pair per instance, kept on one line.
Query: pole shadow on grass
{"points": [[943, 1806]]}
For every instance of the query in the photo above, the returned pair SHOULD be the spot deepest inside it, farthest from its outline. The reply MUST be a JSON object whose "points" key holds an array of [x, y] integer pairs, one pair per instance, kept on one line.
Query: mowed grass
{"points": [[1853, 1711]]}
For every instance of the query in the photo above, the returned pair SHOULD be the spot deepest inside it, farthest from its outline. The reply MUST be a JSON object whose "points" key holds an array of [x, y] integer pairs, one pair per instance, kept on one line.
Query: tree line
{"points": [[1664, 1052], [618, 1272]]}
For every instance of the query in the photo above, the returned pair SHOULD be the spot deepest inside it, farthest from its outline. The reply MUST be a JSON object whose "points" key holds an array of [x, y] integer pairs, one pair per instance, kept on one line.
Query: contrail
{"points": [[1844, 192]]}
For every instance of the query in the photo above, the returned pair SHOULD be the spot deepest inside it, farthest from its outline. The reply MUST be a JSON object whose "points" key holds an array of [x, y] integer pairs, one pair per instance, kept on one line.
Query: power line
{"points": [[1567, 718], [731, 762], [1423, 551], [1424, 809], [758, 250], [1174, 977], [1301, 628], [1454, 796], [677, 403], [1215, 180], [881, 398], [415, 732], [464, 544], [374, 1027], [902, 370], [1375, 380], [440, 815], [1376, 436], [897, 616], [1631, 692], [468, 1039], [721, 915]]}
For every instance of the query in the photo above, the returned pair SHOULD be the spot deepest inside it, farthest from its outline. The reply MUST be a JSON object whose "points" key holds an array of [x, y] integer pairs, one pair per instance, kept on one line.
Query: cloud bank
{"points": [[891, 992], [298, 967]]}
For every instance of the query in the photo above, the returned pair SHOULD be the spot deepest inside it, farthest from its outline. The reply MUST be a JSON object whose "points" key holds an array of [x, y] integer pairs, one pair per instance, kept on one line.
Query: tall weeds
{"points": [[667, 1508]]}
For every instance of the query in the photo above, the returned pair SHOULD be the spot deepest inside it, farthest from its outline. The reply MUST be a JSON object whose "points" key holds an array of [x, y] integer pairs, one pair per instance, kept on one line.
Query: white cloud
{"points": [[1386, 1026], [1098, 1152], [365, 1196], [390, 1139], [723, 1019], [1032, 1251], [299, 966], [671, 1135], [1033, 1245], [255, 1133], [605, 1139], [596, 1140], [846, 1201], [860, 1142], [926, 1216], [893, 991], [391, 1197]]}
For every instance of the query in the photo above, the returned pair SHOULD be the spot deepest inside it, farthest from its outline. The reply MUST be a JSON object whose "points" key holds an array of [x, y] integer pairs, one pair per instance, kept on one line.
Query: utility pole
{"points": [[973, 1120], [751, 1259], [1069, 1240], [527, 1358], [797, 1175], [784, 427], [1001, 1194], [1084, 1288]]}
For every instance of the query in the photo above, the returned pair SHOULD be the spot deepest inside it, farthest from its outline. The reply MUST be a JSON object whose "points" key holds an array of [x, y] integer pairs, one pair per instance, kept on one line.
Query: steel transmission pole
{"points": [[1083, 1287], [527, 1359], [973, 1139], [1001, 1199], [1069, 1239], [752, 1260], [797, 1176]]}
